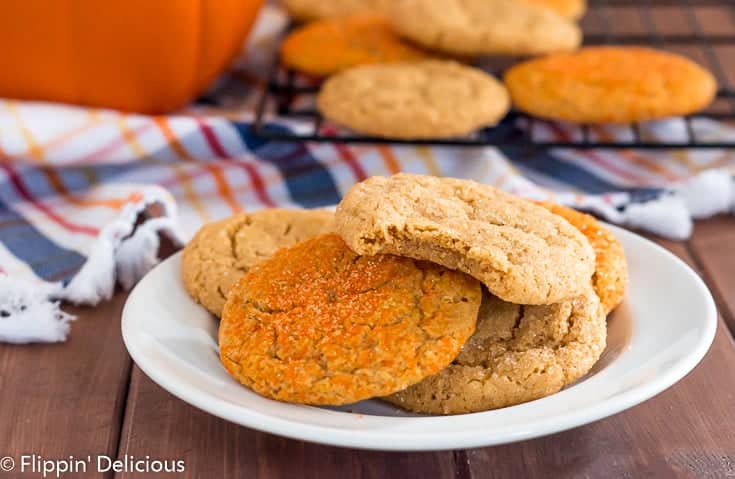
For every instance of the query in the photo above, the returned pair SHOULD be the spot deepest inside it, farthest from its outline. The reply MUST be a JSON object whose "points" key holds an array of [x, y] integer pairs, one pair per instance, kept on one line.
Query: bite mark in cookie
{"points": [[522, 252]]}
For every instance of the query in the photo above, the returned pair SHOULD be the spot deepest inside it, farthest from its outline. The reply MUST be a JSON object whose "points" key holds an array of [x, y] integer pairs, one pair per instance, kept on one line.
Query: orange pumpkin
{"points": [[149, 56]]}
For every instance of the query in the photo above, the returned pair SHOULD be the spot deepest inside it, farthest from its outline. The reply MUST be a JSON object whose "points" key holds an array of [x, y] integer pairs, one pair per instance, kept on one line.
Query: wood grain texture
{"points": [[686, 432], [161, 426], [66, 399], [70, 399], [713, 246]]}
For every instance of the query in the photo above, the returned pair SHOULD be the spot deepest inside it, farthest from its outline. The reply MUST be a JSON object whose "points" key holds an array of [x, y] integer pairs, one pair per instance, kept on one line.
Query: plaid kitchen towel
{"points": [[85, 194]]}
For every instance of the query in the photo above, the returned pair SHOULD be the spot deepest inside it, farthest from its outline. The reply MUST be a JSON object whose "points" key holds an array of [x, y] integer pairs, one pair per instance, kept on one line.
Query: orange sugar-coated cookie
{"points": [[610, 84], [611, 268], [310, 10], [328, 46], [318, 324], [572, 9]]}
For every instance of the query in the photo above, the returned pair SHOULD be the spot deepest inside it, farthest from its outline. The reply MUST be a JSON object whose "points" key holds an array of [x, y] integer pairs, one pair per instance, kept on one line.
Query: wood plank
{"points": [[713, 247], [161, 426], [66, 399], [684, 432], [681, 433]]}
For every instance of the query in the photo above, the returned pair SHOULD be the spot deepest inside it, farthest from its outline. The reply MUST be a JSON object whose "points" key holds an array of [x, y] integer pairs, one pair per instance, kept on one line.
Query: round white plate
{"points": [[656, 337]]}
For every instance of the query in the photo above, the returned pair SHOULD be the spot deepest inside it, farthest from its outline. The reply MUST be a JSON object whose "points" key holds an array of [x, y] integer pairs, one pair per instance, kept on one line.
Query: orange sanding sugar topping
{"points": [[329, 46], [611, 269], [610, 85], [318, 324]]}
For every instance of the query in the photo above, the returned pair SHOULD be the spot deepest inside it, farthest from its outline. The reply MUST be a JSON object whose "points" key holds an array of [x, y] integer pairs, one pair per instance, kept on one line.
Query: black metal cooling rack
{"points": [[676, 25]]}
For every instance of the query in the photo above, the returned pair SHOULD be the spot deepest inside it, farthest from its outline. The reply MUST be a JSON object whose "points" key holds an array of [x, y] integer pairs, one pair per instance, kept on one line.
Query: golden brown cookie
{"points": [[610, 85], [428, 99], [328, 46], [517, 354], [484, 27], [572, 9], [221, 252], [318, 324], [308, 10], [522, 252], [611, 268]]}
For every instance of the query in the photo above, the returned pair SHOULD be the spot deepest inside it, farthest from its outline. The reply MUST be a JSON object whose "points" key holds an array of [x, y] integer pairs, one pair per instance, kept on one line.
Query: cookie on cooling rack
{"points": [[572, 9], [318, 324], [328, 46], [309, 10], [484, 27], [610, 84], [413, 100]]}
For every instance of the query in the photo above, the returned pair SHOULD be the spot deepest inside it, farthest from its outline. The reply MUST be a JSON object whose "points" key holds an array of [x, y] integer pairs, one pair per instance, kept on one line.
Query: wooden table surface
{"points": [[86, 398]]}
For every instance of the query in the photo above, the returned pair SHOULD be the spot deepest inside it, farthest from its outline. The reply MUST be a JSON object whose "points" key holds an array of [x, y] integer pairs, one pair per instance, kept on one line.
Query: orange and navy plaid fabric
{"points": [[74, 181], [62, 183]]}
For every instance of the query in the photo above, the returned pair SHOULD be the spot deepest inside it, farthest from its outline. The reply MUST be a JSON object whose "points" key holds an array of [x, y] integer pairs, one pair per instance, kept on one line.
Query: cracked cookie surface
{"points": [[517, 354], [484, 27], [222, 251], [522, 252], [318, 324], [413, 100], [610, 280]]}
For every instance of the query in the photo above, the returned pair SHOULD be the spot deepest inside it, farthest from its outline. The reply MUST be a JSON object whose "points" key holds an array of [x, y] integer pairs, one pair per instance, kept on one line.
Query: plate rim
{"points": [[372, 440]]}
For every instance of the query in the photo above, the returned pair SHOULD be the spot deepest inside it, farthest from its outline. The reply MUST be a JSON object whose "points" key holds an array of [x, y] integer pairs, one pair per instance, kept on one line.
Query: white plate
{"points": [[661, 332]]}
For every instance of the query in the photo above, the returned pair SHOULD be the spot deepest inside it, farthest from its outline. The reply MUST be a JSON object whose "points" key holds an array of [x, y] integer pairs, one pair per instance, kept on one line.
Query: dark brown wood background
{"points": [[85, 397]]}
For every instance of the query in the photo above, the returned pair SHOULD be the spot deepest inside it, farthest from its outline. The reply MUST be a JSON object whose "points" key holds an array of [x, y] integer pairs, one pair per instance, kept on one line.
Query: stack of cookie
{"points": [[439, 295], [392, 79], [452, 27]]}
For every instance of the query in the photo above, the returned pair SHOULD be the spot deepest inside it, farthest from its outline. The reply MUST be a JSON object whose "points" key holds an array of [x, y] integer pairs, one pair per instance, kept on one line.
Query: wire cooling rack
{"points": [[703, 30]]}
